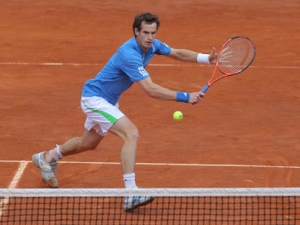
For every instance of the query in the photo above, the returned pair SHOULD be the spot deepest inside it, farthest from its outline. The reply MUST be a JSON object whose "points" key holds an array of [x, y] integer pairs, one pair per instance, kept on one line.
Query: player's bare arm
{"points": [[192, 56], [156, 91]]}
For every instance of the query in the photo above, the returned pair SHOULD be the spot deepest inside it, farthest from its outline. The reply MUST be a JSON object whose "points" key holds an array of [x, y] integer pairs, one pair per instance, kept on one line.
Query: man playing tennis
{"points": [[100, 98]]}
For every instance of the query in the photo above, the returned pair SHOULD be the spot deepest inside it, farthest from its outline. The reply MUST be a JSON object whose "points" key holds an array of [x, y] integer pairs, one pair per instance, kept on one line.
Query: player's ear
{"points": [[136, 31]]}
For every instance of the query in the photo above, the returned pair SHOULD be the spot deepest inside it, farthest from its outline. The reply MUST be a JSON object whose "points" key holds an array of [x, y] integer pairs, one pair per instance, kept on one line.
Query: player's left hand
{"points": [[213, 56]]}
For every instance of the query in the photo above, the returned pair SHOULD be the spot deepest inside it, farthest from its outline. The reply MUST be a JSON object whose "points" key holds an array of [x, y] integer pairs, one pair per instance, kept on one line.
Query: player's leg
{"points": [[48, 161], [89, 141], [125, 129], [93, 134]]}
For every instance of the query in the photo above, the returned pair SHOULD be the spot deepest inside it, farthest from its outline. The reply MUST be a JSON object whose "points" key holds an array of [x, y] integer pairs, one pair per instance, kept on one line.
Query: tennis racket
{"points": [[234, 57]]}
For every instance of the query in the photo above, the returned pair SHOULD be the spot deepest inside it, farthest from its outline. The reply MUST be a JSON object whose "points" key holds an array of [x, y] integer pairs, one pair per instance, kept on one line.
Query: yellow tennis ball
{"points": [[177, 115]]}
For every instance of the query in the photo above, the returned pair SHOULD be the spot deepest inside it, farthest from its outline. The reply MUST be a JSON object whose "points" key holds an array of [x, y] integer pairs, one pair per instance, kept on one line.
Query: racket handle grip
{"points": [[205, 88]]}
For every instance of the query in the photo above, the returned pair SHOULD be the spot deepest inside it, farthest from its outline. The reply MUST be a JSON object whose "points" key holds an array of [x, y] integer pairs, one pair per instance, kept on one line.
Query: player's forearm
{"points": [[191, 56], [156, 91], [185, 55], [159, 92]]}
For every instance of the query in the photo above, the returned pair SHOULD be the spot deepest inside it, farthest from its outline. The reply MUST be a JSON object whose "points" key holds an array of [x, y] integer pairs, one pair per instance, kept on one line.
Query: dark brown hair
{"points": [[148, 18]]}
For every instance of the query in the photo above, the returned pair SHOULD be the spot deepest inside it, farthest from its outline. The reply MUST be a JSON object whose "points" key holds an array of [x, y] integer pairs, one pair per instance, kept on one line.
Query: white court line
{"points": [[150, 64], [168, 164], [23, 165], [13, 184], [18, 174]]}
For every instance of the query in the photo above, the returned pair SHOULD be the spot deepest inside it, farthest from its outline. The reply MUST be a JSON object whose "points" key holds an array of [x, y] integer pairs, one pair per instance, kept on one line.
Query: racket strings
{"points": [[236, 55]]}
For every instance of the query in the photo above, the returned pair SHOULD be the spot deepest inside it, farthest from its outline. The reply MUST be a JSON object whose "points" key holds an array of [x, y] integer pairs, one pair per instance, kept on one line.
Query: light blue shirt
{"points": [[124, 68]]}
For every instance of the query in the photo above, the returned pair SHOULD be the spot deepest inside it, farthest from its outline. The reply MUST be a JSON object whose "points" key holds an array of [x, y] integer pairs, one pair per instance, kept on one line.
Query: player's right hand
{"points": [[196, 97]]}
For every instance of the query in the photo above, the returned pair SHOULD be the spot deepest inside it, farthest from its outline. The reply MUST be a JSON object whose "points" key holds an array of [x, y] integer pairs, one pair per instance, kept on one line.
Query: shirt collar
{"points": [[139, 48]]}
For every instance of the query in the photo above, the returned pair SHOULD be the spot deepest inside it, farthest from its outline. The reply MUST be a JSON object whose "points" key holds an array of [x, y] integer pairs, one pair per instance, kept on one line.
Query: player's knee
{"points": [[135, 135], [88, 145], [132, 134]]}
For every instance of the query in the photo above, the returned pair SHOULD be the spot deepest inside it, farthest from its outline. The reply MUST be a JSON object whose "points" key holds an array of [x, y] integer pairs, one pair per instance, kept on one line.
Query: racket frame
{"points": [[212, 80]]}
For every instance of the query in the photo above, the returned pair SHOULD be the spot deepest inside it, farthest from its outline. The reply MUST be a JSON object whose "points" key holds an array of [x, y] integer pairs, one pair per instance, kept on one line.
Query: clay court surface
{"points": [[245, 133]]}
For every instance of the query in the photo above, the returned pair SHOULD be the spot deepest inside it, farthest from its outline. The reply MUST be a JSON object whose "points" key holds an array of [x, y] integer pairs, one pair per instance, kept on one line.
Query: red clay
{"points": [[250, 119]]}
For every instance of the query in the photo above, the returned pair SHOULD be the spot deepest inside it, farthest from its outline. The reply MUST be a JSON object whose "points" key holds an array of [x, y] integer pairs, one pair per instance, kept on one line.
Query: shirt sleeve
{"points": [[161, 48], [133, 67]]}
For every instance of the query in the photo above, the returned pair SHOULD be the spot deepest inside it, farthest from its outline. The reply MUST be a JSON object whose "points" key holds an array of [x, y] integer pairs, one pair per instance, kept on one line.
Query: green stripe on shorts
{"points": [[109, 117]]}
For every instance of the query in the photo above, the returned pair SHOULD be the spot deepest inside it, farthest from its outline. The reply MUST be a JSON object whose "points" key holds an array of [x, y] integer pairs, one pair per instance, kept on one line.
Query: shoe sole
{"points": [[35, 161], [139, 205]]}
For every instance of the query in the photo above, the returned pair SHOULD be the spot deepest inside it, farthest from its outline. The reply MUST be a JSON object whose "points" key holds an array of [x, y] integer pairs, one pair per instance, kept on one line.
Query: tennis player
{"points": [[100, 98]]}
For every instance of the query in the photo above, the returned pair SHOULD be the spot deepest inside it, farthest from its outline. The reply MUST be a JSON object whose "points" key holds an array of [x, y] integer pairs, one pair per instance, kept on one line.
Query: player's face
{"points": [[146, 35]]}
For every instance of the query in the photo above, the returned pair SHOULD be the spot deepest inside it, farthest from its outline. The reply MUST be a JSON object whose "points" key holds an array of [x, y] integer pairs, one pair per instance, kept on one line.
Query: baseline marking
{"points": [[166, 164], [101, 64]]}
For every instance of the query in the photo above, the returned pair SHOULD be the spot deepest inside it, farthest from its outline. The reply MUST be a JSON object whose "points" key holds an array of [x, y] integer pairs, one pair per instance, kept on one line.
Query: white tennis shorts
{"points": [[101, 115]]}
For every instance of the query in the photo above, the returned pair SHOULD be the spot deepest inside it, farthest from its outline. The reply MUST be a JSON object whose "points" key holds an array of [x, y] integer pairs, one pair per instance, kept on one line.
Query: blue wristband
{"points": [[182, 97]]}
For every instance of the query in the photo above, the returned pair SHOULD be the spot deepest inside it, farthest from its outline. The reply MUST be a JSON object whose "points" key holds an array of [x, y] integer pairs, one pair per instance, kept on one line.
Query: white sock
{"points": [[54, 155], [129, 180], [58, 152]]}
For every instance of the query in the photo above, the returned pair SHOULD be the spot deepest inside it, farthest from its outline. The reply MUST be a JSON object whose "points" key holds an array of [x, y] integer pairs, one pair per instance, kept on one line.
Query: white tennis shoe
{"points": [[133, 202], [47, 169]]}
